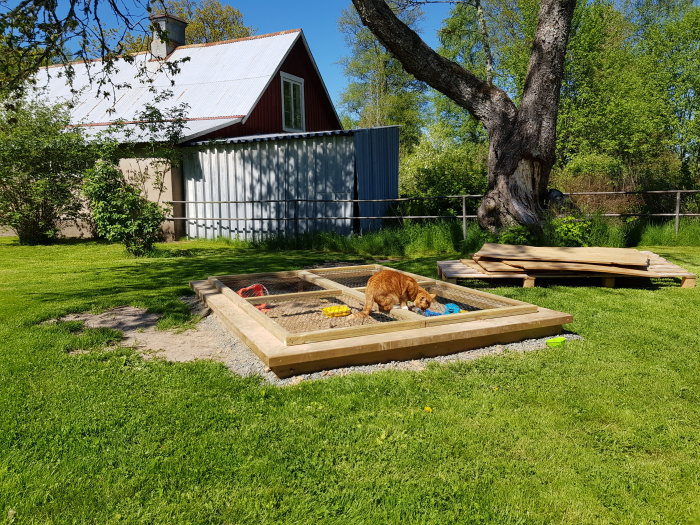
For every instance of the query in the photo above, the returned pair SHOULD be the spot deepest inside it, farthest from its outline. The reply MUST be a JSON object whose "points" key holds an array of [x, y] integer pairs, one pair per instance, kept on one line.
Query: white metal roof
{"points": [[220, 83], [271, 137]]}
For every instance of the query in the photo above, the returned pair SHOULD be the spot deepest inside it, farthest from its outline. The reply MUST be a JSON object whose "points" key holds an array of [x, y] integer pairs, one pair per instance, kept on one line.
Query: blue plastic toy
{"points": [[430, 313], [451, 308]]}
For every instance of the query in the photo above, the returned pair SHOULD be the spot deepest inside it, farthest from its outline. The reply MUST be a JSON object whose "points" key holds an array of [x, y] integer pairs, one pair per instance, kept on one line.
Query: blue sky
{"points": [[319, 20]]}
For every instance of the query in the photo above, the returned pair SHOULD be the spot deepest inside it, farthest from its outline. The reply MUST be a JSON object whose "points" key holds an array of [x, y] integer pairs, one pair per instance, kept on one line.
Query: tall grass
{"points": [[415, 239], [664, 234], [411, 239]]}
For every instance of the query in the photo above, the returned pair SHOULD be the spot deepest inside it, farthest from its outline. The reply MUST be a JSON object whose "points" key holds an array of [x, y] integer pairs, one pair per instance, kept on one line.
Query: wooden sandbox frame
{"points": [[408, 336]]}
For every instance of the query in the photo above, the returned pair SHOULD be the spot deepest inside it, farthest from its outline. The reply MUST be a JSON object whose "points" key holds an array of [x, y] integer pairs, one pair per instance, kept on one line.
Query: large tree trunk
{"points": [[515, 194], [522, 140]]}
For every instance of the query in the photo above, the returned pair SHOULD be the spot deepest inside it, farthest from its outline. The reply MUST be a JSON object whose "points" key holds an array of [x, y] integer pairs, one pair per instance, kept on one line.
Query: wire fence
{"points": [[467, 202]]}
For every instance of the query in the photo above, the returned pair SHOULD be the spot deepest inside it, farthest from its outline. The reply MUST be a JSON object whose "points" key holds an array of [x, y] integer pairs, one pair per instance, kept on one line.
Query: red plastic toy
{"points": [[255, 290]]}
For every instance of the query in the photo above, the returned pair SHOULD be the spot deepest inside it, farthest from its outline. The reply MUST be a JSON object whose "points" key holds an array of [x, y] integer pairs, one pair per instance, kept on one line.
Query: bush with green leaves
{"points": [[120, 212], [517, 234], [41, 166], [440, 166], [571, 231]]}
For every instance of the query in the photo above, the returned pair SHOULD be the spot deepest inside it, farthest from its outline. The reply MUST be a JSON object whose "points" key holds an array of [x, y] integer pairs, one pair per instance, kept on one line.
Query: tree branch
{"points": [[485, 41], [487, 103]]}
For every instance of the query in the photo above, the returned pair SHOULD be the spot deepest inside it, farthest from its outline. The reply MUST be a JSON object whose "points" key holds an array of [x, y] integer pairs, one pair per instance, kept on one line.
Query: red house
{"points": [[248, 86]]}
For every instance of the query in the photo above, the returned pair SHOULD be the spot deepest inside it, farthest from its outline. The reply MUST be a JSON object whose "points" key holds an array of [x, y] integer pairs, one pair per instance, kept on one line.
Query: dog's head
{"points": [[423, 300]]}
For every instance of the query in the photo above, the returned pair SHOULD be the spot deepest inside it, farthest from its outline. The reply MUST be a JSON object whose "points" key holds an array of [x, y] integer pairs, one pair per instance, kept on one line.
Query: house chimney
{"points": [[172, 26]]}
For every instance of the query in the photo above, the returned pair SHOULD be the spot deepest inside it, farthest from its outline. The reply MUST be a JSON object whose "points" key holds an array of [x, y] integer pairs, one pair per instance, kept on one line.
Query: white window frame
{"points": [[286, 77]]}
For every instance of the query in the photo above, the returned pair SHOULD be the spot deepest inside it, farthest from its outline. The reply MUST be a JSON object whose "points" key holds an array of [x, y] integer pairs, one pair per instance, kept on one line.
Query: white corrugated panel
{"points": [[219, 81], [317, 167]]}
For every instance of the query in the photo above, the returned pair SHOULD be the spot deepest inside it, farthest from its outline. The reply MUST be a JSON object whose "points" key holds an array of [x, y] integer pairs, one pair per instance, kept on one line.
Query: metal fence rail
{"points": [[463, 216]]}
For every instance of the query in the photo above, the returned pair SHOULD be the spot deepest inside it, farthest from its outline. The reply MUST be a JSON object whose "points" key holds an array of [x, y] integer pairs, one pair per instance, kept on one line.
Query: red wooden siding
{"points": [[267, 114]]}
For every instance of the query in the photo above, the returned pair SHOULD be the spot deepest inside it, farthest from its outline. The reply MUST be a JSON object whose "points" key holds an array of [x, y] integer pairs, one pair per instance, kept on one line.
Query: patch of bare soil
{"points": [[139, 328]]}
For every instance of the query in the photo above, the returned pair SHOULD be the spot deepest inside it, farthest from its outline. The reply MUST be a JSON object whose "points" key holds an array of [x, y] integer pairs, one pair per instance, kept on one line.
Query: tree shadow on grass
{"points": [[157, 283]]}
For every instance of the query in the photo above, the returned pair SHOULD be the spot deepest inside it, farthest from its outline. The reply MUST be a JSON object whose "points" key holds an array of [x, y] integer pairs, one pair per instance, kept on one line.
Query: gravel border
{"points": [[243, 362]]}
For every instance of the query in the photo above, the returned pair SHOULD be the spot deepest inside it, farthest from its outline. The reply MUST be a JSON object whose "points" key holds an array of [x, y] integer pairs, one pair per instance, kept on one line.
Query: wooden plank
{"points": [[480, 314], [592, 255], [688, 282], [418, 350], [250, 310], [491, 265], [417, 343], [446, 287], [256, 337], [355, 331], [289, 274], [333, 269], [330, 285], [293, 296], [554, 266], [434, 334], [452, 270]]}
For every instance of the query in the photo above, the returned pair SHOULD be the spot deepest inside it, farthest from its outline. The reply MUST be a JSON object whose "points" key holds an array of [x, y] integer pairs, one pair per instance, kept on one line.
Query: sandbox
{"points": [[287, 330]]}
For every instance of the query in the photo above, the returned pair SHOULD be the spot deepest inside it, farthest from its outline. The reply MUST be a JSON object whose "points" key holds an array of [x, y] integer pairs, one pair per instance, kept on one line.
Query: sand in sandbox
{"points": [[307, 315]]}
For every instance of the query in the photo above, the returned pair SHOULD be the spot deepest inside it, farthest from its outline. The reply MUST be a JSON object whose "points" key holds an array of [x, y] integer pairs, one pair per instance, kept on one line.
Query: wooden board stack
{"points": [[495, 261]]}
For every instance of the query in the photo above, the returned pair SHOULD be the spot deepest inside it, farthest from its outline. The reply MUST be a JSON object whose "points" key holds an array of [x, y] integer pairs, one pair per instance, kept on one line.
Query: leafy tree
{"points": [[37, 33], [125, 205], [380, 92], [439, 166], [522, 138], [612, 100], [41, 165], [208, 20], [628, 96], [463, 42], [674, 48]]}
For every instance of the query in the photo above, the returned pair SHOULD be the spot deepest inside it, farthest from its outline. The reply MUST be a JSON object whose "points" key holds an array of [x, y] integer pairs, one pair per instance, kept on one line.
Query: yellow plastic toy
{"points": [[336, 311]]}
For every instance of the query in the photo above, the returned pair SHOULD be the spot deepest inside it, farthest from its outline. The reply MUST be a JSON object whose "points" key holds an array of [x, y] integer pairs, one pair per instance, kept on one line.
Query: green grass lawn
{"points": [[606, 430]]}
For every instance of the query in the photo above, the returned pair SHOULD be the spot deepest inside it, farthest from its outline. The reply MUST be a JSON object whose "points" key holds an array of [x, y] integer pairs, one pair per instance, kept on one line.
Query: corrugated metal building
{"points": [[272, 178]]}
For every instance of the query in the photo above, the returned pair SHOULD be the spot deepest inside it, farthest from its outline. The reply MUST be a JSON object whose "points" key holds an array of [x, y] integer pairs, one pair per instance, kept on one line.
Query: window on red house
{"points": [[292, 103]]}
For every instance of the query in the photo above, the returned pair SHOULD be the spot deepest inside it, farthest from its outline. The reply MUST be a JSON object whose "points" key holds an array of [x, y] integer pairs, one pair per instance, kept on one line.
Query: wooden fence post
{"points": [[464, 217], [678, 211]]}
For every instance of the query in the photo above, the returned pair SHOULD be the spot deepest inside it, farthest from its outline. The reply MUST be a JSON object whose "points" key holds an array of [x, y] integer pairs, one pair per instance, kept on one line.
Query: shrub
{"points": [[120, 212], [517, 234], [571, 231], [41, 165], [442, 167]]}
